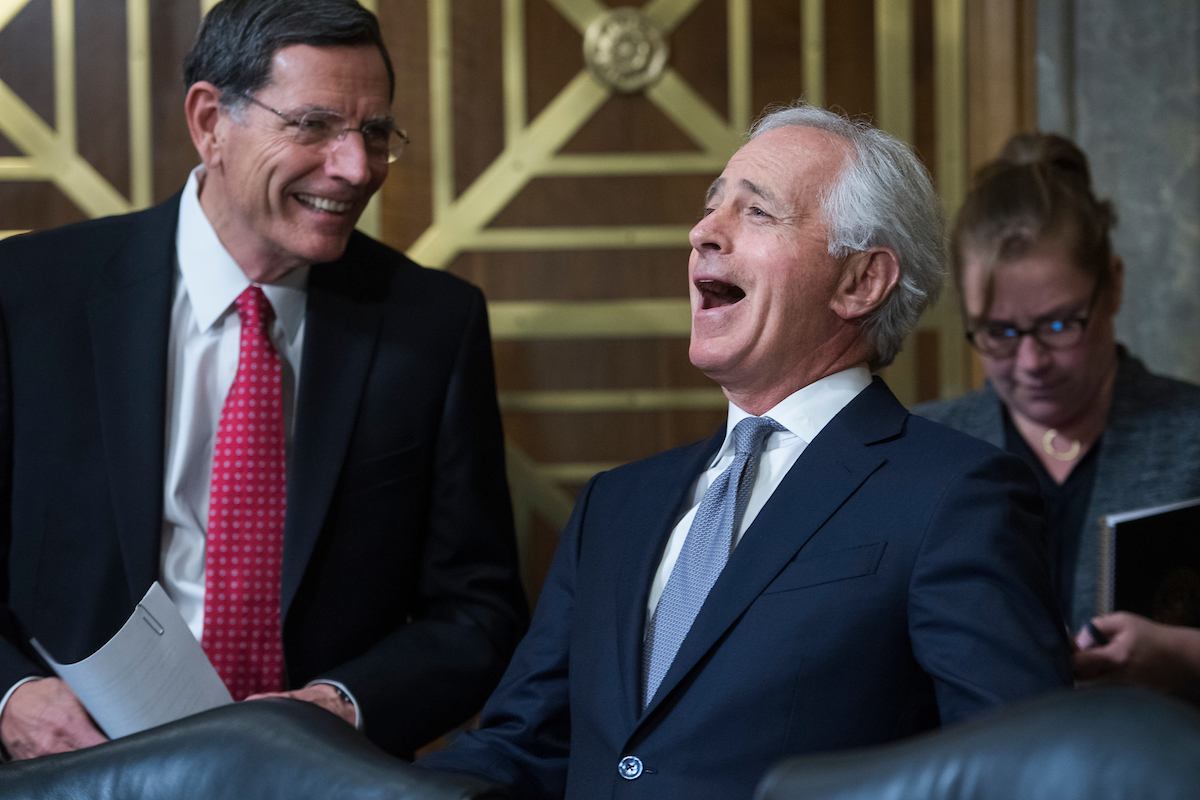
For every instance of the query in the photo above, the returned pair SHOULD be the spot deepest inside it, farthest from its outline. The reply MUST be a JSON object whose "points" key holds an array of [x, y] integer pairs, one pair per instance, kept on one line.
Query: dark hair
{"points": [[238, 39], [1038, 191]]}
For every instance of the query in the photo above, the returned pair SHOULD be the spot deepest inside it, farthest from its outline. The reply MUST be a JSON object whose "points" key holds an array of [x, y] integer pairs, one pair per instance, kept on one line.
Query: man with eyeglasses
{"points": [[289, 425]]}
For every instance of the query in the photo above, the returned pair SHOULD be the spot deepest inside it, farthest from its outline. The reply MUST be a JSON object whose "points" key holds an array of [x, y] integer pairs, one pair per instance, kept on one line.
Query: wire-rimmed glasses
{"points": [[382, 140]]}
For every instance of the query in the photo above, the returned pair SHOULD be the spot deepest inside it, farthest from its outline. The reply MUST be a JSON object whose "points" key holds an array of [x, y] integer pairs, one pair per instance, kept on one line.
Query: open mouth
{"points": [[715, 294], [323, 204]]}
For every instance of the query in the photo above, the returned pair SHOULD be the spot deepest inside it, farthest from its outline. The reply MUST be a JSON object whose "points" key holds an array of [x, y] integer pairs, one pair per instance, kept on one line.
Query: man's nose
{"points": [[347, 159], [711, 233]]}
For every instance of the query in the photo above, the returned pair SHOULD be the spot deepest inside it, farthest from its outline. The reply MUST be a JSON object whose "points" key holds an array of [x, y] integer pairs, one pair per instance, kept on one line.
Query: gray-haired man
{"points": [[825, 572]]}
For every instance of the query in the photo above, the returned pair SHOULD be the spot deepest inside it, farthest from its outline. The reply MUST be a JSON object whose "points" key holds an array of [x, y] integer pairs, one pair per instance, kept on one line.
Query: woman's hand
{"points": [[1139, 651]]}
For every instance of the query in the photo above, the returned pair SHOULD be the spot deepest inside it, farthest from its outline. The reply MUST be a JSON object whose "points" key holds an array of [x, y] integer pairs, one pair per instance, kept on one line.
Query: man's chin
{"points": [[714, 358], [324, 249]]}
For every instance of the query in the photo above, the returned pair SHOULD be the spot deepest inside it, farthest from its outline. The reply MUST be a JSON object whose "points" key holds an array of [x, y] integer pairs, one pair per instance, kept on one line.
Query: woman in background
{"points": [[1032, 257]]}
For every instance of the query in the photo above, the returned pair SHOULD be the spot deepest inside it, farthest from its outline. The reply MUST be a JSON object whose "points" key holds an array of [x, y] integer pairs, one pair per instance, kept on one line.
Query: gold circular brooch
{"points": [[624, 50]]}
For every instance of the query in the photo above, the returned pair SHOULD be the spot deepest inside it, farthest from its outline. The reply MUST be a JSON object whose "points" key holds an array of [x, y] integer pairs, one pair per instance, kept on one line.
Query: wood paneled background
{"points": [[567, 203]]}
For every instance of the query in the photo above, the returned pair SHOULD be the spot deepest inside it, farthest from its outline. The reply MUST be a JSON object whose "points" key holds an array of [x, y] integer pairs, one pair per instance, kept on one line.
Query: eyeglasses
{"points": [[382, 140], [1001, 340]]}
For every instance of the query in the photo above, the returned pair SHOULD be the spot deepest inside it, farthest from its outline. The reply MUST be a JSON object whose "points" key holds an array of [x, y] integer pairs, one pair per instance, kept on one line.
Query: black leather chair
{"points": [[1113, 744], [1094, 744], [262, 750]]}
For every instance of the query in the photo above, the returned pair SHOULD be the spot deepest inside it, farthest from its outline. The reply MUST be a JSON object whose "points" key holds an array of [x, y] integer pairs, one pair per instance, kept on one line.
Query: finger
{"points": [[89, 736], [74, 730], [1083, 639], [1111, 624]]}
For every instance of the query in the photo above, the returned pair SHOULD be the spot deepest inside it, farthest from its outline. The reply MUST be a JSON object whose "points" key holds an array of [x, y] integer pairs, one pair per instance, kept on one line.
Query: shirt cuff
{"points": [[341, 687], [4, 756]]}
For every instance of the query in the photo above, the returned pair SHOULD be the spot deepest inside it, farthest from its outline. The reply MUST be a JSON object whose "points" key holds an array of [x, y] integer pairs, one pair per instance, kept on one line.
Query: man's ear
{"points": [[867, 279], [202, 108]]}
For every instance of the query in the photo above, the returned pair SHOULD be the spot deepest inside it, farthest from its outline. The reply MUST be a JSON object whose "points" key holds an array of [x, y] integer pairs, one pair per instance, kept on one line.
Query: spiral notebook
{"points": [[1150, 563]]}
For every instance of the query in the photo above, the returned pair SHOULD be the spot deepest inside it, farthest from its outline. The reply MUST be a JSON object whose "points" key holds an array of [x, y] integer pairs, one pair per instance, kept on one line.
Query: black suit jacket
{"points": [[896, 580], [399, 564]]}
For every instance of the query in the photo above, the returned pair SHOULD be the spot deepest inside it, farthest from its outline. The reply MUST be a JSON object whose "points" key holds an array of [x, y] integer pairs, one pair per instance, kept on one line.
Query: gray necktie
{"points": [[704, 552]]}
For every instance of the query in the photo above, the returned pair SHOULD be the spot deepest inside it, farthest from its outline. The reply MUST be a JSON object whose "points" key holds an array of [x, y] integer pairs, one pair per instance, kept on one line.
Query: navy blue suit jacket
{"points": [[399, 563], [897, 579]]}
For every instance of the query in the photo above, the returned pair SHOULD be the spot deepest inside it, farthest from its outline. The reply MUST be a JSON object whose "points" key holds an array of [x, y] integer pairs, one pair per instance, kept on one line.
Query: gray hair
{"points": [[883, 198]]}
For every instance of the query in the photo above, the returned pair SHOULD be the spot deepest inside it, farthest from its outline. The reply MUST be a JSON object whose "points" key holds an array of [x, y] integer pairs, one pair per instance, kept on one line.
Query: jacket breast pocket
{"points": [[379, 471], [839, 565]]}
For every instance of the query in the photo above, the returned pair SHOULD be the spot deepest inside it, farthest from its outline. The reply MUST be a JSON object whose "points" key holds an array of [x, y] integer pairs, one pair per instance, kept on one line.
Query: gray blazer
{"points": [[1149, 456]]}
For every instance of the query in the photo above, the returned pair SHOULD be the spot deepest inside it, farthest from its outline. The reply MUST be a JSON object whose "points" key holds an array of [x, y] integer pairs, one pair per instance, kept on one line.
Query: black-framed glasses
{"points": [[1001, 339], [382, 140]]}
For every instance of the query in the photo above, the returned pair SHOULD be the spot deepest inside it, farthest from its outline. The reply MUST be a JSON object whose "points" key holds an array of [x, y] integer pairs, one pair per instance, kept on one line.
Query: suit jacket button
{"points": [[630, 768]]}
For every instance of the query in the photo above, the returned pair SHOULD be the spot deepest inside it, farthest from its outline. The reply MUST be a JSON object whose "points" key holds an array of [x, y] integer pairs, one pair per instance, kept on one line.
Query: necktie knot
{"points": [[254, 309], [751, 434]]}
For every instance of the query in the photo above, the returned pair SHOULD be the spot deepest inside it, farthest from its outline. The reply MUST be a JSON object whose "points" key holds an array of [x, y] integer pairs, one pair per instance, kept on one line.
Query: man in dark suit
{"points": [[828, 572], [237, 373]]}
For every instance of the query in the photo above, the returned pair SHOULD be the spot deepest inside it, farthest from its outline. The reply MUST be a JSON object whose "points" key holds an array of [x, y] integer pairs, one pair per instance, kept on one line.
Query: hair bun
{"points": [[1050, 150]]}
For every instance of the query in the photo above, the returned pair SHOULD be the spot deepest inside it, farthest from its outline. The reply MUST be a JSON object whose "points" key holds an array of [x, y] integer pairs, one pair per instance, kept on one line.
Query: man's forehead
{"points": [[331, 67], [783, 160]]}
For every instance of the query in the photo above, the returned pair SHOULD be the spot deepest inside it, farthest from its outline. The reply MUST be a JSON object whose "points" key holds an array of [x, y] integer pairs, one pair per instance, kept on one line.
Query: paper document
{"points": [[151, 672]]}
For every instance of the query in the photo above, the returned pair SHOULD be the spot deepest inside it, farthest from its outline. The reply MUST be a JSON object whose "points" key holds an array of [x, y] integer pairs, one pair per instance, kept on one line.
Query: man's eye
{"points": [[310, 124], [708, 211], [758, 212], [376, 134]]}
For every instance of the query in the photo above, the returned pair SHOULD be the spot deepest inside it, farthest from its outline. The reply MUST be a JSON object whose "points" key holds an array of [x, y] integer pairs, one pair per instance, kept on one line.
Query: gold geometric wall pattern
{"points": [[51, 154]]}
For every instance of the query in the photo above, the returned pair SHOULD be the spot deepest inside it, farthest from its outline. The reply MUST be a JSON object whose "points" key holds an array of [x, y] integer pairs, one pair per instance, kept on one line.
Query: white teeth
{"points": [[324, 204]]}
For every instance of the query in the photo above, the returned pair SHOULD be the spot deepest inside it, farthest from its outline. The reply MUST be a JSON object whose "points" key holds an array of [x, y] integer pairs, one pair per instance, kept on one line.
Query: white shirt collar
{"points": [[805, 412], [212, 278]]}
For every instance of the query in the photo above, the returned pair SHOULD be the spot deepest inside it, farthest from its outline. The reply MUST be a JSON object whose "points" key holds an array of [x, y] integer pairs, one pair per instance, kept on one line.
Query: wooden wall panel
{"points": [[1002, 87], [850, 56]]}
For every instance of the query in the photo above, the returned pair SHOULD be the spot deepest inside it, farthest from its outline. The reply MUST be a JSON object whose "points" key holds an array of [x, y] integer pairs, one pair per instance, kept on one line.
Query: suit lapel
{"points": [[672, 479], [831, 469], [129, 318], [341, 329]]}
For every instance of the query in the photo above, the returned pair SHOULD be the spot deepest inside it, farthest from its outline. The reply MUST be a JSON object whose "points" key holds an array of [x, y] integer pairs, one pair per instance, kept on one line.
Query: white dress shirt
{"points": [[804, 414], [202, 359]]}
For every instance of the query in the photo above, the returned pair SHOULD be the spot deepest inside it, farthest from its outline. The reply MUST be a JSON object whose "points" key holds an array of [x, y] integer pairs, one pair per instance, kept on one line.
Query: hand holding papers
{"points": [[153, 671]]}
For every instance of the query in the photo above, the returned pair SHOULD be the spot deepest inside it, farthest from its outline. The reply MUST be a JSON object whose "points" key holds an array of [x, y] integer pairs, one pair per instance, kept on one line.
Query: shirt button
{"points": [[630, 768]]}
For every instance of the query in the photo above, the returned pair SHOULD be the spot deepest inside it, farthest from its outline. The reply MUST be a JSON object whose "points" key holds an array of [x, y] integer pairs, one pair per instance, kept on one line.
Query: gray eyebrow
{"points": [[750, 186], [713, 188], [761, 191], [309, 108]]}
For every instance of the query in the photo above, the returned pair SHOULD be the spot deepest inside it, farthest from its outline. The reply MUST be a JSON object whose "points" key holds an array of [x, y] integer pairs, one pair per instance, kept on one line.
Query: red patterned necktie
{"points": [[246, 506]]}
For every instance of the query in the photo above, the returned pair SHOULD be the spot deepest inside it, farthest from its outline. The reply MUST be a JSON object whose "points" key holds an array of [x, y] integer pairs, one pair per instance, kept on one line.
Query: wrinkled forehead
{"points": [[793, 164]]}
